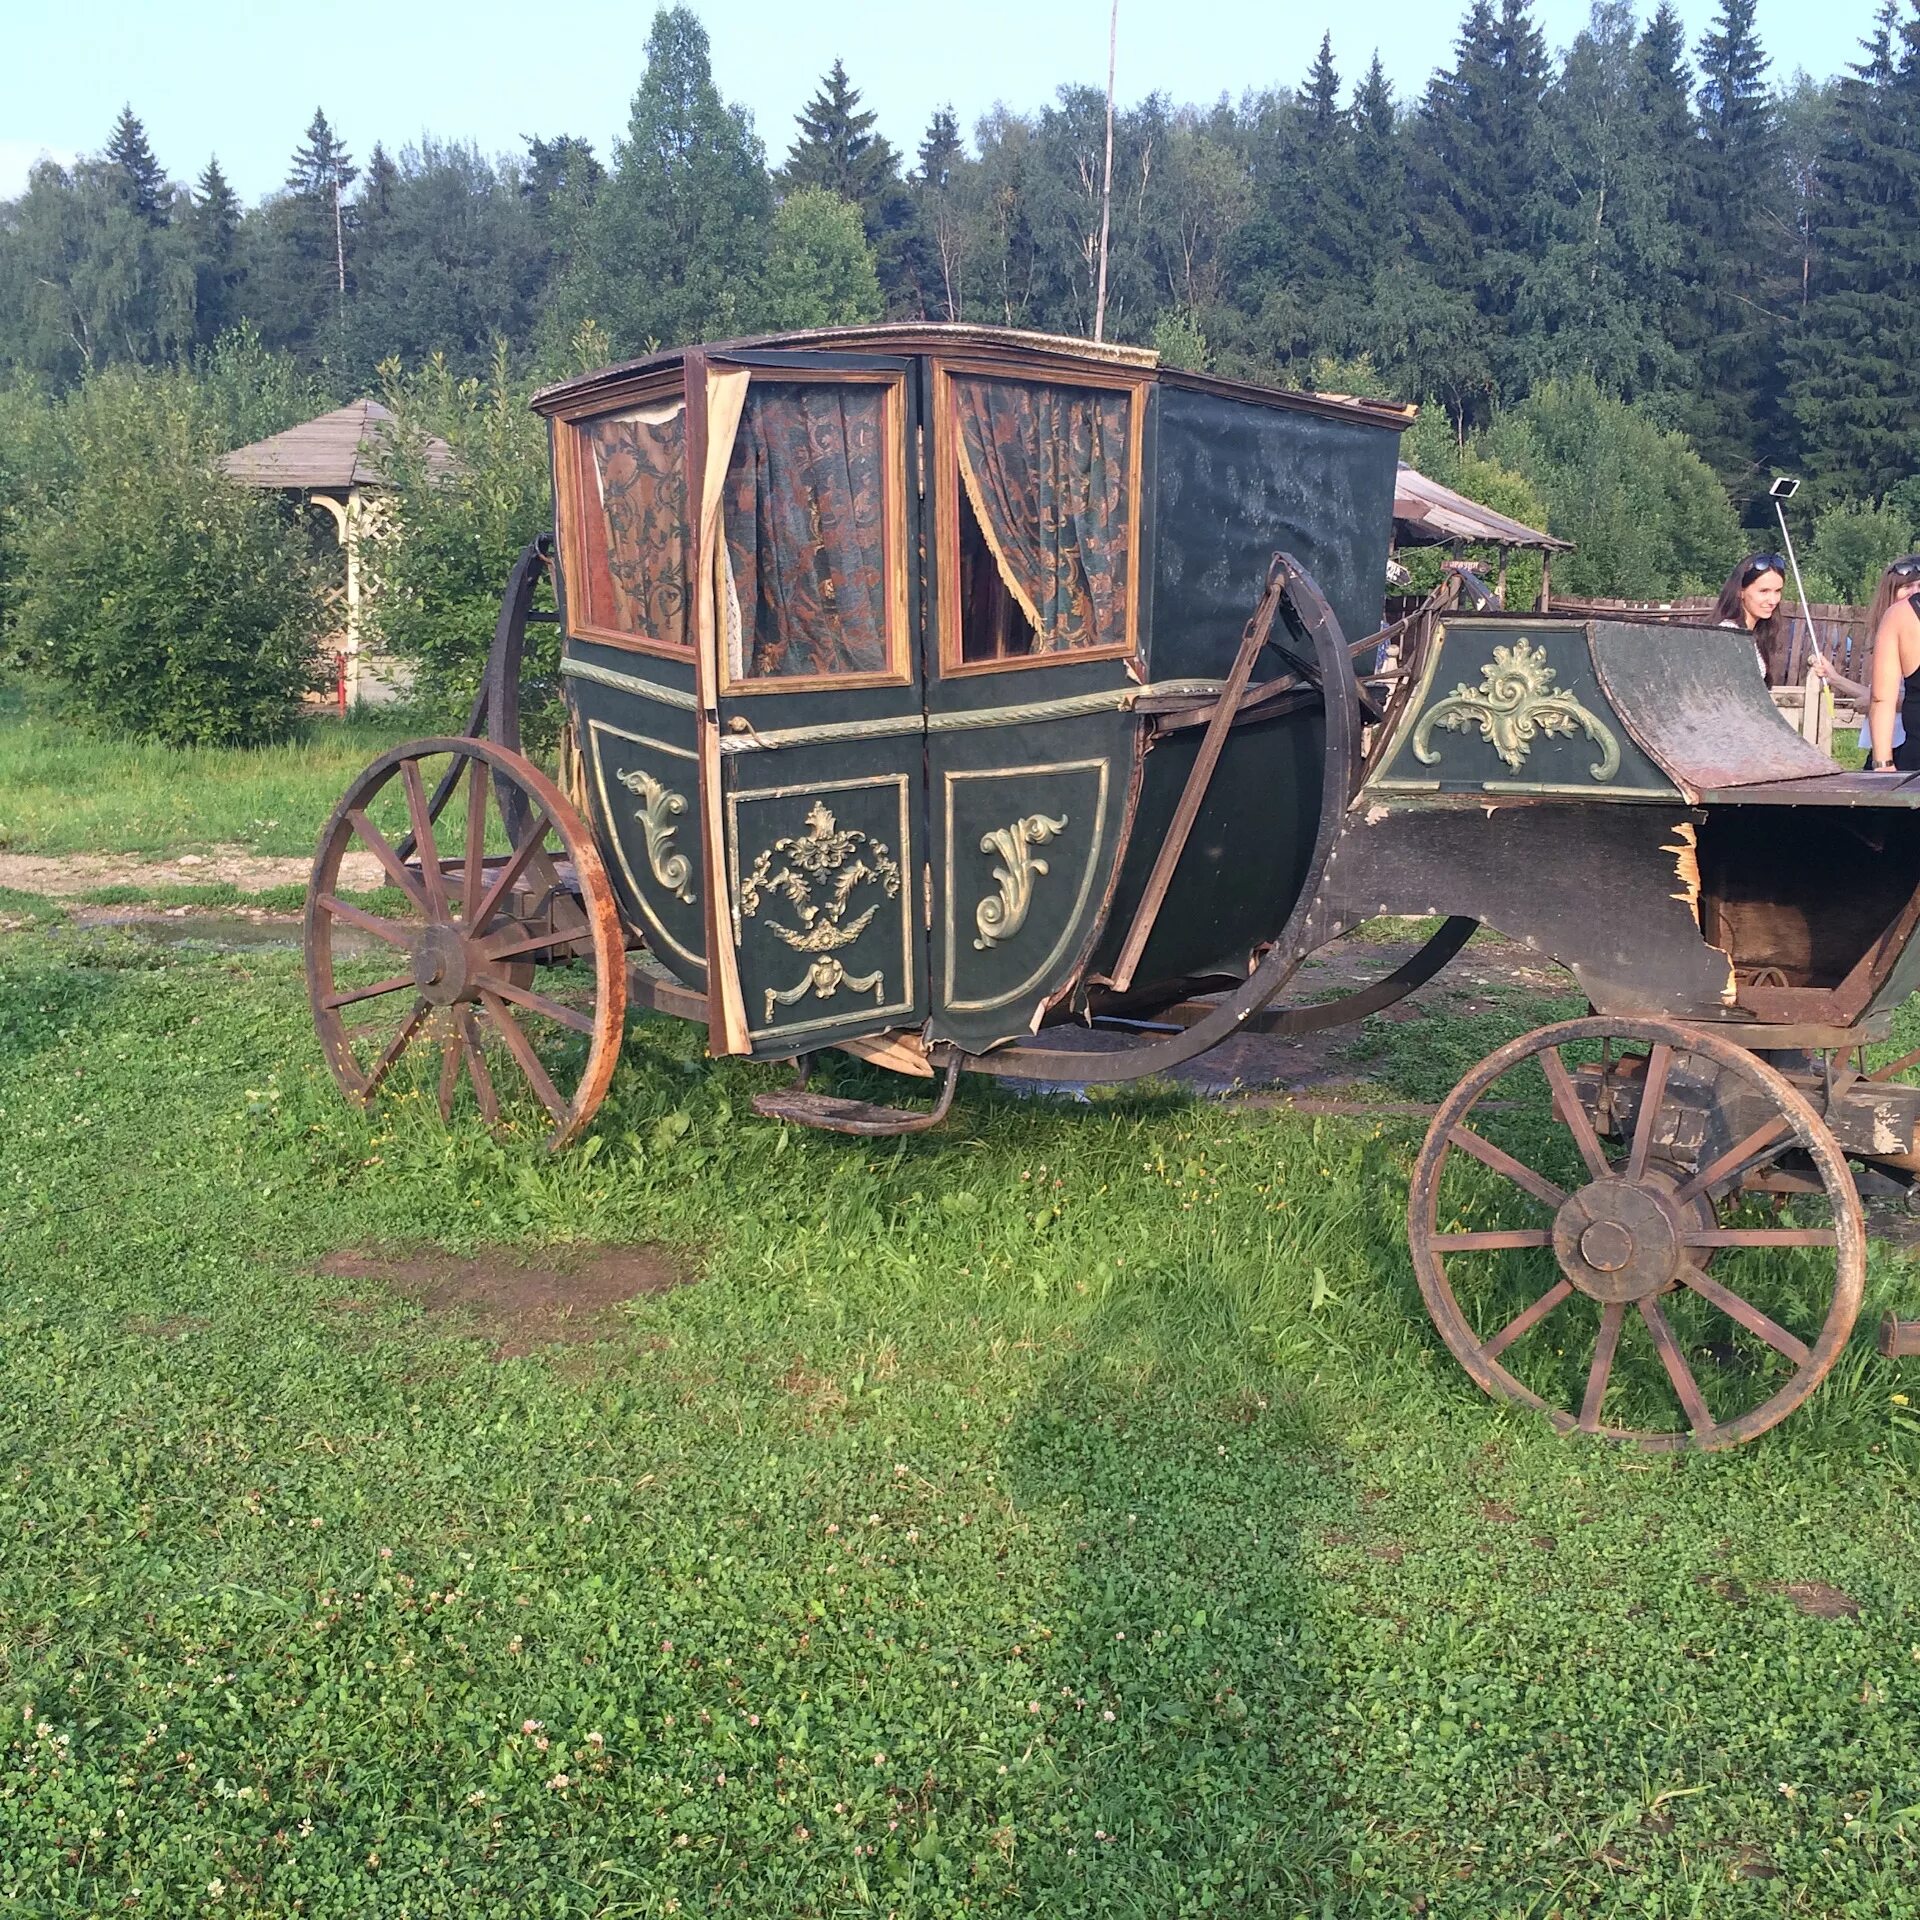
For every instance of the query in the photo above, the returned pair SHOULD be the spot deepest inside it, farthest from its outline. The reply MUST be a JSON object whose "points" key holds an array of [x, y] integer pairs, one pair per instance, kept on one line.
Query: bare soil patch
{"points": [[1817, 1600], [61, 875], [564, 1296]]}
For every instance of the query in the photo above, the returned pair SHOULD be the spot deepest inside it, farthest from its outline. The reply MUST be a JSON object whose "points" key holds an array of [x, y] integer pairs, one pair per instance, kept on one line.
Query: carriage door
{"points": [[819, 827], [1036, 490]]}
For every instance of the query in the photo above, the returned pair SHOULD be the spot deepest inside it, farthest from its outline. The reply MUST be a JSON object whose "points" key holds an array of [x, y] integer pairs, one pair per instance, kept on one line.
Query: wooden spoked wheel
{"points": [[509, 963], [1585, 1248]]}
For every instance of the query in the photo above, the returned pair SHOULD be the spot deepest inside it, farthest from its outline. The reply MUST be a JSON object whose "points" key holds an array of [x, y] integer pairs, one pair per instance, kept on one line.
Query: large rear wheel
{"points": [[501, 952]]}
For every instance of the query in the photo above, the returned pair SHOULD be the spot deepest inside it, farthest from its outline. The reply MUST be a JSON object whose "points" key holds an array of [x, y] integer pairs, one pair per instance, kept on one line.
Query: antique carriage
{"points": [[942, 695]]}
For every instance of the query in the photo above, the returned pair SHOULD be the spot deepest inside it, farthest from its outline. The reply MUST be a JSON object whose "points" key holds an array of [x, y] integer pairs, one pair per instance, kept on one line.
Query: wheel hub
{"points": [[1618, 1241], [439, 962]]}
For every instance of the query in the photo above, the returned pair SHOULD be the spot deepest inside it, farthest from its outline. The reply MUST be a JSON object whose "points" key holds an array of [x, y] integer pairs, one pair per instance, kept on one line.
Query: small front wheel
{"points": [[505, 956], [1584, 1245]]}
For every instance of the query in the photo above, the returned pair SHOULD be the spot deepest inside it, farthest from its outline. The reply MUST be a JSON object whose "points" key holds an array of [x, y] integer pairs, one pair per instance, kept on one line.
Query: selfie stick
{"points": [[1782, 491]]}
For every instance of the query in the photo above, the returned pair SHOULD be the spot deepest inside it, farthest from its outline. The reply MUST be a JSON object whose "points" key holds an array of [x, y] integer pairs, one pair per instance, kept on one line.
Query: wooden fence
{"points": [[1840, 630]]}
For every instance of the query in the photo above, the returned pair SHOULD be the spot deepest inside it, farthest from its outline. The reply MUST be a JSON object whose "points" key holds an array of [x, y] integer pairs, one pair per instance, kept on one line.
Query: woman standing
{"points": [[1895, 627], [1751, 601]]}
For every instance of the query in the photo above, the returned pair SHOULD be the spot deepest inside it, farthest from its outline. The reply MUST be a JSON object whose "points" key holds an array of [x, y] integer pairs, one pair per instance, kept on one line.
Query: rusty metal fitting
{"points": [[1899, 1339]]}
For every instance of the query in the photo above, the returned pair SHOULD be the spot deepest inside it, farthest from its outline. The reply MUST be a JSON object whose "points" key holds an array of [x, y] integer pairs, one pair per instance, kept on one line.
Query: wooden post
{"points": [[1546, 580], [1500, 579]]}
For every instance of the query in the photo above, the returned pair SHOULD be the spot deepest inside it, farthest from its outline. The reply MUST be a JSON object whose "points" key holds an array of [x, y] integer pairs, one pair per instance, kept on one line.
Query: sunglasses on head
{"points": [[1907, 569], [1761, 563]]}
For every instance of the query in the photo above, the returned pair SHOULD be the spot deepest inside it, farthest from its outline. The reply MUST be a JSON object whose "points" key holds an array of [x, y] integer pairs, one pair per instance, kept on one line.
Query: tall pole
{"points": [[1106, 181]]}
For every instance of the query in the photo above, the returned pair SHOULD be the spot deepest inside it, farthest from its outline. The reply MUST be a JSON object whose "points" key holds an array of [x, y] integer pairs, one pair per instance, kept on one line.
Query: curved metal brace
{"points": [[1413, 973], [495, 713], [1340, 770]]}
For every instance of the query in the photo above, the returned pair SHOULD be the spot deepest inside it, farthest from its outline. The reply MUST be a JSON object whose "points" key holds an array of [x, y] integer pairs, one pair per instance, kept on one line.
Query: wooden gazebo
{"points": [[332, 462], [1426, 514]]}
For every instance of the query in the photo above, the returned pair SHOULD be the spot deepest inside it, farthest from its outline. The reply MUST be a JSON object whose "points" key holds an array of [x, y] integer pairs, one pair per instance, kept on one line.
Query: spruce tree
{"points": [[1855, 368], [1477, 161], [321, 164], [940, 147], [214, 230], [1738, 220], [141, 177], [837, 147]]}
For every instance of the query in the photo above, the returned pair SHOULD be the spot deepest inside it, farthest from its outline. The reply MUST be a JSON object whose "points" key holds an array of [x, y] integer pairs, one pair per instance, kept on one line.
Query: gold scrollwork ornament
{"points": [[818, 873], [1002, 914], [659, 805], [1512, 706]]}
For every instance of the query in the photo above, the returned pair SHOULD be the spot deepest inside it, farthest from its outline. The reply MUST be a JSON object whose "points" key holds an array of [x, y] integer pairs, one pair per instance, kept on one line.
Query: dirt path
{"points": [[61, 876]]}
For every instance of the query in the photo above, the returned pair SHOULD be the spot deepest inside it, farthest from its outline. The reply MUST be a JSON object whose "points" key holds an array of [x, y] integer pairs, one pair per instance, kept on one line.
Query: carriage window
{"points": [[1045, 547], [806, 513], [633, 505]]}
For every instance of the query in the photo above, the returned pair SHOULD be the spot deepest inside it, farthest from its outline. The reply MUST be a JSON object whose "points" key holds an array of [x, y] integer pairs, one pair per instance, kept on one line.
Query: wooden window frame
{"points": [[946, 496], [570, 477], [899, 669]]}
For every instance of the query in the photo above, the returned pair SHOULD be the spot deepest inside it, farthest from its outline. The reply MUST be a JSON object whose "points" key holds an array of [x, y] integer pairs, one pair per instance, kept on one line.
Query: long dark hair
{"points": [[1902, 573], [1770, 636]]}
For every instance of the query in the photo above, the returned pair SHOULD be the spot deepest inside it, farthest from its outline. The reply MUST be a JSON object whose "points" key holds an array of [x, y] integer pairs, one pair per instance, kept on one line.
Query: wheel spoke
{"points": [[1762, 1237], [509, 875], [1748, 1315], [1505, 1240], [1652, 1091], [513, 939], [540, 1003], [477, 786], [522, 1050], [1573, 1116], [396, 1047], [1613, 1316], [426, 851], [355, 994], [1684, 1384], [1483, 1150], [390, 931], [449, 1074], [1767, 1141], [1523, 1324], [477, 1067], [382, 850]]}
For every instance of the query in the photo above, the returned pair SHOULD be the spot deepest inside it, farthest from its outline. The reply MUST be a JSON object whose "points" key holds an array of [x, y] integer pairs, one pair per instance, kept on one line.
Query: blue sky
{"points": [[243, 79]]}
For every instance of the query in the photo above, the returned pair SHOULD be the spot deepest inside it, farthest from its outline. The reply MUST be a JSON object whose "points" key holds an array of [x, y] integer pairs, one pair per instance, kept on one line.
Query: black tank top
{"points": [[1906, 756]]}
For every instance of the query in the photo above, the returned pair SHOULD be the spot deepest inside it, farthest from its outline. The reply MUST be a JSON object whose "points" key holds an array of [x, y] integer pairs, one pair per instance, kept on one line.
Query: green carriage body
{"points": [[868, 636]]}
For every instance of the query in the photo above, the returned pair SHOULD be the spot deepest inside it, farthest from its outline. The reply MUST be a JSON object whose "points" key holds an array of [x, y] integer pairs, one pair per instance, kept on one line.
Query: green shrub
{"points": [[1646, 514], [1852, 545], [169, 603], [451, 532]]}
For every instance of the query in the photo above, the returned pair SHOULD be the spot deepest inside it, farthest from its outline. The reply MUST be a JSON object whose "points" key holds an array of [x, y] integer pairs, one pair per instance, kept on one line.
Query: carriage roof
{"points": [[1038, 352]]}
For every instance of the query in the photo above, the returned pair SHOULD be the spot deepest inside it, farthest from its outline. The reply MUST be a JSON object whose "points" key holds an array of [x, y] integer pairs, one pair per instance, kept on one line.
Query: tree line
{"points": [[1627, 284], [1732, 255]]}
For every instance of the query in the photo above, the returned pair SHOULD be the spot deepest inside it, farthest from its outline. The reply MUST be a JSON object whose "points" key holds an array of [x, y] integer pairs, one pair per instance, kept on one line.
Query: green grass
{"points": [[63, 790], [1068, 1512]]}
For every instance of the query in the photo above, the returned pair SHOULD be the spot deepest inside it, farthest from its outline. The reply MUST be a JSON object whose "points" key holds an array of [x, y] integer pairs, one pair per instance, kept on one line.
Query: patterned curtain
{"points": [[1046, 470], [639, 474], [805, 513]]}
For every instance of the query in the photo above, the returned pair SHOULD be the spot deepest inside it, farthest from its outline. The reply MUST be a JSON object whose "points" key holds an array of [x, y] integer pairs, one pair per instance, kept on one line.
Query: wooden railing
{"points": [[1841, 630]]}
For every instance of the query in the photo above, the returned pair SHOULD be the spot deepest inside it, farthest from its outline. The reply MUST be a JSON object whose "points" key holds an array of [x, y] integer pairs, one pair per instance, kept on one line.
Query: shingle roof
{"points": [[339, 449], [1426, 514]]}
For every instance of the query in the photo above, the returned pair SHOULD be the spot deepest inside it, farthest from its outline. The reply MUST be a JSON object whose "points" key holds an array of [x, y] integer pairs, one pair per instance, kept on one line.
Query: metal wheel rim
{"points": [[1808, 1131]]}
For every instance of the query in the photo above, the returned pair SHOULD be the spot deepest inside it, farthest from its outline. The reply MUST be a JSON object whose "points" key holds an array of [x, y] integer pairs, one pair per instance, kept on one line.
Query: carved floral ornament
{"points": [[1003, 913], [659, 806], [1513, 706], [820, 874]]}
